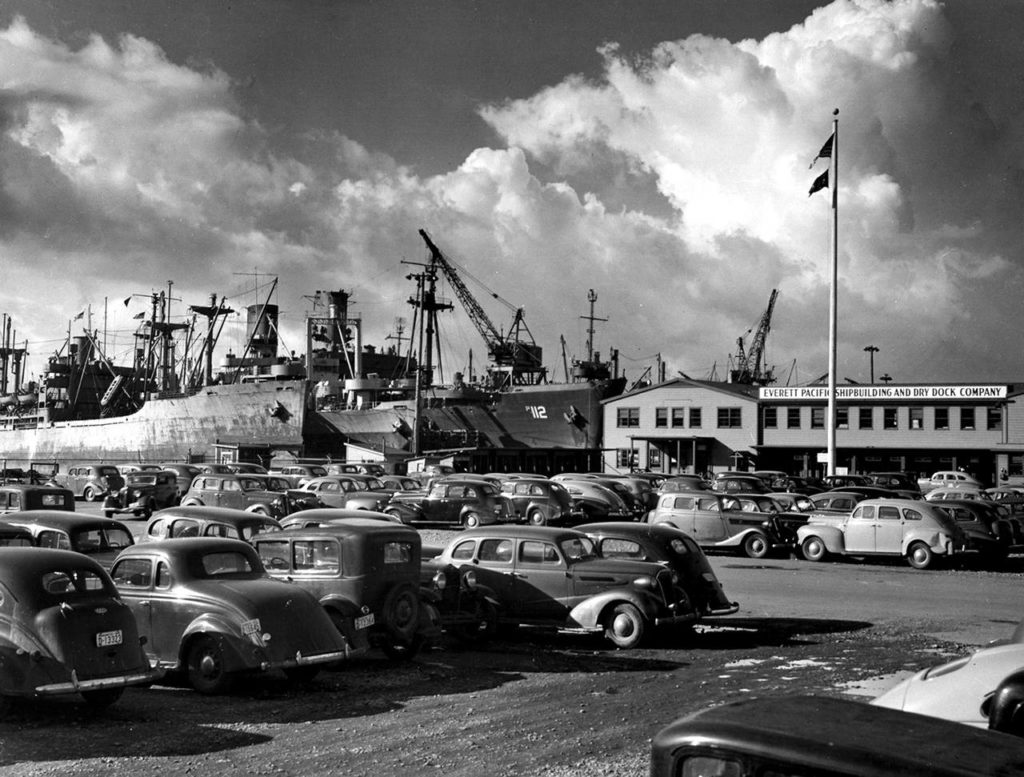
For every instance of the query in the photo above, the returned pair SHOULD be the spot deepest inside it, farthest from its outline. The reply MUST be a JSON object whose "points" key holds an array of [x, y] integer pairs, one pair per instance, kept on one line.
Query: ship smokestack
{"points": [[261, 329]]}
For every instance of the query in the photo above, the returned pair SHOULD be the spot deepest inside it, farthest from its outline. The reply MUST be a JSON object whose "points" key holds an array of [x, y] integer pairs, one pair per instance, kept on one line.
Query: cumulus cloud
{"points": [[674, 185]]}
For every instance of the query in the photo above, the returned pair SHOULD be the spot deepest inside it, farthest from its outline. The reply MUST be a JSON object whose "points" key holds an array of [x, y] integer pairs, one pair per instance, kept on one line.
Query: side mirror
{"points": [[1005, 707]]}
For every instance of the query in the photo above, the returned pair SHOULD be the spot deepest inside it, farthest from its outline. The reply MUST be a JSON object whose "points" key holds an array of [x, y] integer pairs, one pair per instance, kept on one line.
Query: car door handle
{"points": [[145, 603], [519, 574]]}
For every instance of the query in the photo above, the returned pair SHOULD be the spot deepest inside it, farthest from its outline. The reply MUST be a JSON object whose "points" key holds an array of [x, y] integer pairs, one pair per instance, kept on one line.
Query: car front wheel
{"points": [[814, 549], [625, 626], [537, 518], [756, 545], [471, 521], [920, 556], [205, 663], [89, 495]]}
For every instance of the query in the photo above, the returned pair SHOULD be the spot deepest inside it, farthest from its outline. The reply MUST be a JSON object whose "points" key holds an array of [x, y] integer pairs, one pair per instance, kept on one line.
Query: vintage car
{"points": [[917, 530], [963, 492], [366, 575], [960, 690], [635, 505], [298, 499], [91, 482], [100, 538], [745, 483], [355, 468], [839, 482], [15, 536], [987, 518], [718, 521], [900, 481], [126, 469], [458, 502], [143, 492], [541, 502], [819, 736], [298, 474], [948, 478], [64, 630], [185, 521], [798, 485], [793, 502], [400, 483], [15, 497], [352, 491], [664, 544], [551, 577], [677, 483], [239, 492], [185, 474], [595, 502], [247, 468], [209, 611]]}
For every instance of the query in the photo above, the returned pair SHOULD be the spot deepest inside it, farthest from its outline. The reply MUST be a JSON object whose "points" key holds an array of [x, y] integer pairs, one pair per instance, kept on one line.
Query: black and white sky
{"points": [[655, 152]]}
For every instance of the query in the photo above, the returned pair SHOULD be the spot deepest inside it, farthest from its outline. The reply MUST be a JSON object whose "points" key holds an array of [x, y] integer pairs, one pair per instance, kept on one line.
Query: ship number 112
{"points": [[537, 411]]}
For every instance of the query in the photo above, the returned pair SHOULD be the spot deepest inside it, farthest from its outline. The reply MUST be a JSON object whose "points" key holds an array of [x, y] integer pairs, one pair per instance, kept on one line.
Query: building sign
{"points": [[886, 393]]}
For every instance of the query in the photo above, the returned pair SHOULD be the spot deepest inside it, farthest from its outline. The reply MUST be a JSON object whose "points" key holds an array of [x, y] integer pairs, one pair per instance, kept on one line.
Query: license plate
{"points": [[251, 627], [108, 638], [364, 621]]}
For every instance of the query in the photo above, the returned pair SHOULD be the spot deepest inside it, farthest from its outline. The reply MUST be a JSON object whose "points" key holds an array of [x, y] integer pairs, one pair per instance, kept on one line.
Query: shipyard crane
{"points": [[749, 364], [518, 360]]}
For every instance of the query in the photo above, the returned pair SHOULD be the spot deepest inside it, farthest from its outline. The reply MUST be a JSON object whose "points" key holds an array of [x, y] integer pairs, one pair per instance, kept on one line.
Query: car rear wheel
{"points": [[205, 664], [920, 556], [814, 549], [625, 626], [537, 518], [89, 495], [471, 521], [755, 545], [102, 698], [401, 613]]}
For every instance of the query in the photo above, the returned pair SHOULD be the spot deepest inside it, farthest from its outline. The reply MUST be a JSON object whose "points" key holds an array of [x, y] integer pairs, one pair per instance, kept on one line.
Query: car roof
{"points": [[550, 533], [839, 735], [18, 562], [350, 527], [60, 519], [202, 512], [23, 487], [185, 545]]}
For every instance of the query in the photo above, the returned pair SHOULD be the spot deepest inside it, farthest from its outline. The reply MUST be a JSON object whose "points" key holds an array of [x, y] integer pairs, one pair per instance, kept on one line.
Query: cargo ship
{"points": [[342, 392]]}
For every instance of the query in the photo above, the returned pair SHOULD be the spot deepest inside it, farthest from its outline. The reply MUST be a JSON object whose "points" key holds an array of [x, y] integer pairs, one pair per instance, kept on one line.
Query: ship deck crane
{"points": [[519, 361], [749, 364]]}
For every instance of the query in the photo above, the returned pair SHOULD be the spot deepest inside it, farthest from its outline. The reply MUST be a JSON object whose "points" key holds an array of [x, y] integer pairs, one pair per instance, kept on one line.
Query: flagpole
{"points": [[833, 295]]}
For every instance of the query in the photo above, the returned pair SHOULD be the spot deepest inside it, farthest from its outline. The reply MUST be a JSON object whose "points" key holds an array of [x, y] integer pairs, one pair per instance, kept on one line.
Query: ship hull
{"points": [[548, 416], [171, 429]]}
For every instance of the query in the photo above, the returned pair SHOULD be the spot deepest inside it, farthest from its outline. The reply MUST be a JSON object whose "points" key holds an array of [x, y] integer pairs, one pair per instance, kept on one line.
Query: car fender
{"points": [[933, 538], [238, 648], [589, 614], [832, 536], [405, 510]]}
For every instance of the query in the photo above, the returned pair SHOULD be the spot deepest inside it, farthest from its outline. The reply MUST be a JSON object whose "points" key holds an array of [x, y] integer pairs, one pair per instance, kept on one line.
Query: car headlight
{"points": [[440, 581], [469, 580], [644, 582]]}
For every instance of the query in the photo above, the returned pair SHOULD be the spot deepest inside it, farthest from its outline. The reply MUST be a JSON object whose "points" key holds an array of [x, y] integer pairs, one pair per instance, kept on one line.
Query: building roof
{"points": [[739, 390]]}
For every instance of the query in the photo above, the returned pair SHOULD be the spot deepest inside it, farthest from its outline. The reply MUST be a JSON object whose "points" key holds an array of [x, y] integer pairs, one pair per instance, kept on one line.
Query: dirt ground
{"points": [[528, 703]]}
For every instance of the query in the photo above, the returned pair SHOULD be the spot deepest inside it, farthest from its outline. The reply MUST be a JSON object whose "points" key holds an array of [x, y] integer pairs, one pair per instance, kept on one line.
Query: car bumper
{"points": [[314, 660], [74, 685], [733, 608], [675, 620]]}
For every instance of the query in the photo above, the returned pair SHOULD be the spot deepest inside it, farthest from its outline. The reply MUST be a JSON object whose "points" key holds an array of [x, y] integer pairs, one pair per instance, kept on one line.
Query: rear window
{"points": [[67, 584], [226, 563], [398, 552], [106, 471], [100, 540]]}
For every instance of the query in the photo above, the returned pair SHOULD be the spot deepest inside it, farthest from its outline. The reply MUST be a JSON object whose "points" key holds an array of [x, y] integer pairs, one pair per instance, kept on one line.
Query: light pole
{"points": [[872, 350], [886, 378]]}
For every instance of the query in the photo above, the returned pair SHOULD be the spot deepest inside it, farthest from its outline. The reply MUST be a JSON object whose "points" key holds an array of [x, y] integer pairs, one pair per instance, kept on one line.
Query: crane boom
{"points": [[521, 360], [749, 367]]}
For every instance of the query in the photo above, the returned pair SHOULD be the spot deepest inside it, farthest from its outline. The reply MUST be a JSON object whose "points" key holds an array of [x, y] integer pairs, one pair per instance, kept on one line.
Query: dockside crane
{"points": [[749, 363], [516, 357]]}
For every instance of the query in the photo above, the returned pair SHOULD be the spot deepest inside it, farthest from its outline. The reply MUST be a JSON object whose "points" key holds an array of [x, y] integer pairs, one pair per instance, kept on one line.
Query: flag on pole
{"points": [[139, 315], [127, 300], [79, 315], [821, 182], [826, 151]]}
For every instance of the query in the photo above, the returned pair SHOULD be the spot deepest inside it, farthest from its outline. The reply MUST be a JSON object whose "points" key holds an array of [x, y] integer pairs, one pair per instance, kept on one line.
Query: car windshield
{"points": [[107, 471], [318, 472], [222, 563], [278, 484], [138, 478], [372, 484], [488, 489], [577, 548]]}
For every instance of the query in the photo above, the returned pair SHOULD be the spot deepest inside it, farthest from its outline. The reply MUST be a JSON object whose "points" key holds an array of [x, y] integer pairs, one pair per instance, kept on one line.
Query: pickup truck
{"points": [[718, 521]]}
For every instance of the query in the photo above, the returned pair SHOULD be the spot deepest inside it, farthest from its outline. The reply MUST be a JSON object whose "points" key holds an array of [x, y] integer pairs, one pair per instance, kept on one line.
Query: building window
{"points": [[695, 418], [729, 418], [867, 418], [817, 418], [917, 418], [842, 418], [771, 418], [679, 413], [994, 421], [661, 417], [626, 458], [628, 416], [792, 417], [942, 418], [966, 417], [889, 418], [654, 459]]}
